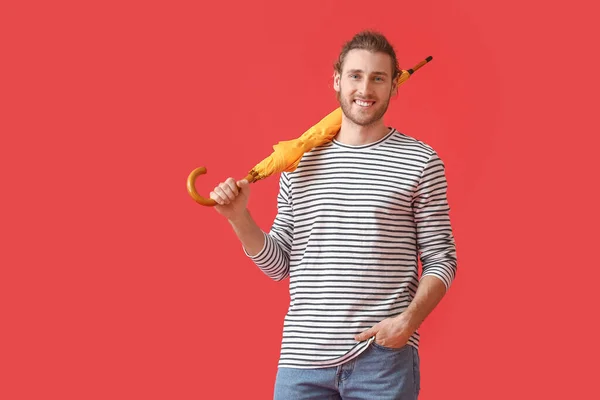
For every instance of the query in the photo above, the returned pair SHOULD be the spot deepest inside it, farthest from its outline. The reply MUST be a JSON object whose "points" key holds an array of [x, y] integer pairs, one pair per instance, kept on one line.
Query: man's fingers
{"points": [[216, 197], [243, 185], [221, 193], [231, 187], [366, 334], [228, 191]]}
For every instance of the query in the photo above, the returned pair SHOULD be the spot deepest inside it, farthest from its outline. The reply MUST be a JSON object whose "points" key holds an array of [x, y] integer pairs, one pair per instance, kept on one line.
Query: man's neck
{"points": [[357, 135]]}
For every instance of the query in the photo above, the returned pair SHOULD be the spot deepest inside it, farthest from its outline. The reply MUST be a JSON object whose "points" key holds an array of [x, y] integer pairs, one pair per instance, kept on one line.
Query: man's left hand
{"points": [[391, 332]]}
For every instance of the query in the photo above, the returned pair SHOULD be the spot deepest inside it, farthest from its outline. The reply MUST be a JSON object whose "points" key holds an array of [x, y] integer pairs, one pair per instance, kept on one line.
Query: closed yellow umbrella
{"points": [[287, 154]]}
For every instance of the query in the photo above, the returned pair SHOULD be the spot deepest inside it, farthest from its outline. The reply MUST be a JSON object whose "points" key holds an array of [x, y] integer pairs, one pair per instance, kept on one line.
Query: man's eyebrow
{"points": [[360, 71]]}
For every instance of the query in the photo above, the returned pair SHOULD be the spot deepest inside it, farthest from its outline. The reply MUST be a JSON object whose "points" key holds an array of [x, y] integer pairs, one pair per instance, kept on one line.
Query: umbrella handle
{"points": [[191, 187]]}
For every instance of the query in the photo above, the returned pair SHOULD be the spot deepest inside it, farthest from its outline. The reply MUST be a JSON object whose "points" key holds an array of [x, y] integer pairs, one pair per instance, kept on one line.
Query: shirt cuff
{"points": [[260, 253]]}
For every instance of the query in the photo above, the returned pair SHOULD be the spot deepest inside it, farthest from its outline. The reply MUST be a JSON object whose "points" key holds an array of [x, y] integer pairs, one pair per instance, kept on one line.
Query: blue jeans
{"points": [[377, 373]]}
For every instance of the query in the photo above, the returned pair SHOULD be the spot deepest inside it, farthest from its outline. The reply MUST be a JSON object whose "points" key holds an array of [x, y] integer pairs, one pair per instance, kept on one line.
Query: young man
{"points": [[352, 221]]}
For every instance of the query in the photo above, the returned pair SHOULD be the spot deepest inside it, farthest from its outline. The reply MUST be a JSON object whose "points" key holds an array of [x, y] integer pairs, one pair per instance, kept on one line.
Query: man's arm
{"points": [[435, 240], [249, 233], [395, 331], [432, 219], [438, 257], [430, 292], [269, 251]]}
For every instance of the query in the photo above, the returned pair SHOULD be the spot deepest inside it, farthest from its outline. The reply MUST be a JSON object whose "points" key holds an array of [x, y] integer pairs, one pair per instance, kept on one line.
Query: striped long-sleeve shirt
{"points": [[350, 226]]}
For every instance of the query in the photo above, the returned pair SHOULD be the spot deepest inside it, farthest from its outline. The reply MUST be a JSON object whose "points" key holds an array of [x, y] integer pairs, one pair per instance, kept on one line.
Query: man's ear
{"points": [[336, 81], [395, 87]]}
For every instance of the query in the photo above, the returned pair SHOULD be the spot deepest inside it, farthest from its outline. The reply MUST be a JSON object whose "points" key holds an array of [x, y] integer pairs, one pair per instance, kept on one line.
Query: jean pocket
{"points": [[390, 349]]}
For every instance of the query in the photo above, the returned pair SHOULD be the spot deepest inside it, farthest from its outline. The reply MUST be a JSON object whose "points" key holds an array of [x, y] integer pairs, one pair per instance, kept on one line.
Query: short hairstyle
{"points": [[372, 41]]}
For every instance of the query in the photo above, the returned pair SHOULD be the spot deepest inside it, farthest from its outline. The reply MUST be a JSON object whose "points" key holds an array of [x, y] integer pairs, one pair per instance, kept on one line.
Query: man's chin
{"points": [[363, 122], [358, 117]]}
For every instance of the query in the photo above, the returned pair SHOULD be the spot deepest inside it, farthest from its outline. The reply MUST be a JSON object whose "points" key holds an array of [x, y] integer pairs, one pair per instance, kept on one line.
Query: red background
{"points": [[116, 285]]}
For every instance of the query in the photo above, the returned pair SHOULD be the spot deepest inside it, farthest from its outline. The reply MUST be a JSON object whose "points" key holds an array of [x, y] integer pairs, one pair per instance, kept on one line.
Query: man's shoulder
{"points": [[412, 143]]}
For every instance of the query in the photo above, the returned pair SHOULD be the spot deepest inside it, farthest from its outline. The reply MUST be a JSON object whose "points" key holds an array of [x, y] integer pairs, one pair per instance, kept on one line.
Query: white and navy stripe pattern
{"points": [[350, 225]]}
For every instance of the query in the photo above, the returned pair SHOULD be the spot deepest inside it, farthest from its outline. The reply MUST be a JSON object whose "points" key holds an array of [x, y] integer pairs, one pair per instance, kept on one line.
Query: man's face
{"points": [[365, 86]]}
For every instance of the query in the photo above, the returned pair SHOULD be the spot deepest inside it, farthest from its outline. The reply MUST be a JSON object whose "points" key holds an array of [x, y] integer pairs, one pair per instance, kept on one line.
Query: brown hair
{"points": [[372, 41]]}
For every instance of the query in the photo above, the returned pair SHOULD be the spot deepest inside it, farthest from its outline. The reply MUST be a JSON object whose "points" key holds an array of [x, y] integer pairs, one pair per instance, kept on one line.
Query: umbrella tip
{"points": [[429, 59]]}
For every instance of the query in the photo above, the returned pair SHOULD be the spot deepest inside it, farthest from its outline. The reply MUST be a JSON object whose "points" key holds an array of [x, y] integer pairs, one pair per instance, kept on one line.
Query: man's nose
{"points": [[364, 88]]}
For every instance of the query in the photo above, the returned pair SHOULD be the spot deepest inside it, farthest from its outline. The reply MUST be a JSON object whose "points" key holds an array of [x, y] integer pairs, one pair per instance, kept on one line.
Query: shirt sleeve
{"points": [[437, 248], [274, 257]]}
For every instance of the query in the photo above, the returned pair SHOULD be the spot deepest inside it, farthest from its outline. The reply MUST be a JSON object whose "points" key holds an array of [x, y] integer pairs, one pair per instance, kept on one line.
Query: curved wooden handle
{"points": [[191, 182], [191, 186]]}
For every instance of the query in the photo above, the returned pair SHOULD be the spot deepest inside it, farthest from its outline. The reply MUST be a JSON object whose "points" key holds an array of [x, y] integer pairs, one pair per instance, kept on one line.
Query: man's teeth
{"points": [[363, 103]]}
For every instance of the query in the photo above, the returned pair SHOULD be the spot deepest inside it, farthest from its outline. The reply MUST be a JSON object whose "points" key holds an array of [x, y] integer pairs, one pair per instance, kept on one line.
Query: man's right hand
{"points": [[231, 198]]}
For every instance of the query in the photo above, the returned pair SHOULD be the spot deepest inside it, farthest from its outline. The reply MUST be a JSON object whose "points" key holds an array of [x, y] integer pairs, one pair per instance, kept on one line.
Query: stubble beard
{"points": [[346, 106]]}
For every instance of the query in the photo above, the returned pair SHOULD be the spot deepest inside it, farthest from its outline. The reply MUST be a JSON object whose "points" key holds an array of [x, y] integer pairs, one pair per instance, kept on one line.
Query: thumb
{"points": [[366, 334], [243, 184]]}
